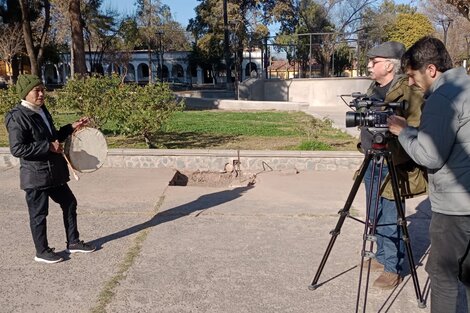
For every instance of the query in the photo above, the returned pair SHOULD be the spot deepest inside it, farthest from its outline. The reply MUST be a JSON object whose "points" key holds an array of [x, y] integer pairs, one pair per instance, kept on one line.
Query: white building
{"points": [[175, 65]]}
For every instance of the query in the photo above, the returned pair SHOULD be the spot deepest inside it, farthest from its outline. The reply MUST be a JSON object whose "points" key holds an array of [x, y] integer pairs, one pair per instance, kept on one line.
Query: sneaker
{"points": [[388, 280], [80, 246], [375, 266], [48, 256]]}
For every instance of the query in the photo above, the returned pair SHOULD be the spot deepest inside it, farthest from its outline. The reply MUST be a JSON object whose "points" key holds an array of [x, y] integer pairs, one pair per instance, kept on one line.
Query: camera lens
{"points": [[353, 119]]}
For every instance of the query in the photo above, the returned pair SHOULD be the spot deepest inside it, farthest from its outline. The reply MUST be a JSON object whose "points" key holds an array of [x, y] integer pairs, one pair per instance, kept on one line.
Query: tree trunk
{"points": [[78, 45], [45, 31], [28, 37]]}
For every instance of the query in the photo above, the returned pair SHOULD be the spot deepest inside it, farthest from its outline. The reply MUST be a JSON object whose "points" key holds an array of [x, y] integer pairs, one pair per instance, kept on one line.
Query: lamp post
{"points": [[160, 55], [467, 40], [446, 22], [228, 64], [250, 36]]}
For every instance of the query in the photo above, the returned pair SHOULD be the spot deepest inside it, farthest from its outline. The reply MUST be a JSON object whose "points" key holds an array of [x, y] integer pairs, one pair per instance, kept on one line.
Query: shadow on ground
{"points": [[200, 204]]}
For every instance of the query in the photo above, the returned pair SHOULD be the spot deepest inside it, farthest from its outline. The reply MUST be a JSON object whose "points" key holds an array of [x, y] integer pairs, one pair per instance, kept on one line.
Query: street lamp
{"points": [[467, 40], [227, 48], [160, 54], [446, 22]]}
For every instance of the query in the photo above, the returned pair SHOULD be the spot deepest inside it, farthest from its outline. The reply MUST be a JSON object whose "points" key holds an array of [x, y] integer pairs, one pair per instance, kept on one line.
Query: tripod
{"points": [[378, 154]]}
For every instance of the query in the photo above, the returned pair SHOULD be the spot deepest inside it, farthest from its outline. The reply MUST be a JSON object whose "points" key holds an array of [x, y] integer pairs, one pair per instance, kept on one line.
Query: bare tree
{"points": [[463, 6], [11, 43], [346, 15], [451, 26]]}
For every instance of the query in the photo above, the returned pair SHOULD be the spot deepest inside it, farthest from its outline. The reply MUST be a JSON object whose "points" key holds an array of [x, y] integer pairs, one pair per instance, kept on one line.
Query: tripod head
{"points": [[379, 146]]}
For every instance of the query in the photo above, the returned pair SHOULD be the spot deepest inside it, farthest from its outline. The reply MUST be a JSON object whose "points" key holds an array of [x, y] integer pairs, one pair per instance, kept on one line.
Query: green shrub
{"points": [[144, 110], [93, 97], [312, 145], [131, 109], [8, 99]]}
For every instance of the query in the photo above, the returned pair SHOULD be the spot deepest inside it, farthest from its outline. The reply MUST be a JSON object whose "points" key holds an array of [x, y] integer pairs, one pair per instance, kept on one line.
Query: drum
{"points": [[86, 149]]}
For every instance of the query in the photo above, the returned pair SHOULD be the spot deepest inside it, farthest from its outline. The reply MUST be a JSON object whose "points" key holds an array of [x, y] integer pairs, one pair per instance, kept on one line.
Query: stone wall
{"points": [[216, 160]]}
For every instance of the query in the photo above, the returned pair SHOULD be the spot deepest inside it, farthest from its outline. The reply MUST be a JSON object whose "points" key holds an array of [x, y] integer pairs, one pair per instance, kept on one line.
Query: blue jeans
{"points": [[390, 247]]}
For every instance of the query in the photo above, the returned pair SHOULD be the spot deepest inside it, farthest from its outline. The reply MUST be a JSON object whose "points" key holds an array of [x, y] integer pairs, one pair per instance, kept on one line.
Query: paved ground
{"points": [[200, 249], [228, 249]]}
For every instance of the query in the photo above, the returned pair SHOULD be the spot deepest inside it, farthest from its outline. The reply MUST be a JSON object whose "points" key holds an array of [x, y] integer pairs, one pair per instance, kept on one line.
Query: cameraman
{"points": [[390, 86], [442, 144]]}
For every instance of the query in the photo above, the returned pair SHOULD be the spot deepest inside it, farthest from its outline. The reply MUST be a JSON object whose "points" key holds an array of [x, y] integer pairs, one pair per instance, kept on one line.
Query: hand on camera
{"points": [[396, 124]]}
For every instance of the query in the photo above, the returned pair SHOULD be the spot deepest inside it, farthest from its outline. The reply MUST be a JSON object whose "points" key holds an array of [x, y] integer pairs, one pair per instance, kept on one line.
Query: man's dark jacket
{"points": [[29, 139]]}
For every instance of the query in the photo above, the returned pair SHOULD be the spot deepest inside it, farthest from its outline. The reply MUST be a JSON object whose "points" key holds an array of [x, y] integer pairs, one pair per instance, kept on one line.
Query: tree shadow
{"points": [[202, 203]]}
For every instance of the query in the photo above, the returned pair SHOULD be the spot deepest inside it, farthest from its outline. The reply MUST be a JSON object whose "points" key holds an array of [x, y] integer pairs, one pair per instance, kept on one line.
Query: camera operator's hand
{"points": [[396, 124]]}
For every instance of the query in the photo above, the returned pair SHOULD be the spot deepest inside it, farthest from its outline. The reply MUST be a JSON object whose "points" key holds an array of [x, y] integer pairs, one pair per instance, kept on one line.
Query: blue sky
{"points": [[182, 10]]}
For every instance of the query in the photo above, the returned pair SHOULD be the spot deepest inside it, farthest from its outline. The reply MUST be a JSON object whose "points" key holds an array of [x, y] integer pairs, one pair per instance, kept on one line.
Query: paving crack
{"points": [[108, 291]]}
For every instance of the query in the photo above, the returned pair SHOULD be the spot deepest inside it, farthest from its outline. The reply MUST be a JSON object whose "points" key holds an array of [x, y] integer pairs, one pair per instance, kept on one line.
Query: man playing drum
{"points": [[43, 169]]}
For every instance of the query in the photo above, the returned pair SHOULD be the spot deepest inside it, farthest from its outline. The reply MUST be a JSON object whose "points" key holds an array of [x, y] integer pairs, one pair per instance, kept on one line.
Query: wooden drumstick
{"points": [[70, 167]]}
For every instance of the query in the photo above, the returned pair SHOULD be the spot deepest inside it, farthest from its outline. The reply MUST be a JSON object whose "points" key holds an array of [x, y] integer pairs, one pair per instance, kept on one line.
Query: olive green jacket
{"points": [[412, 179]]}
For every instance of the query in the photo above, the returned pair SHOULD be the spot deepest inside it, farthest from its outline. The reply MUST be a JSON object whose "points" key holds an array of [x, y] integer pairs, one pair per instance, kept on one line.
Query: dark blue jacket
{"points": [[29, 140]]}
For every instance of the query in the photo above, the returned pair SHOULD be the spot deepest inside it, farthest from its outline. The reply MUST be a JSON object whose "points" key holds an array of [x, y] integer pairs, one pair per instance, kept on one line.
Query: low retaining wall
{"points": [[216, 160], [224, 104], [314, 91]]}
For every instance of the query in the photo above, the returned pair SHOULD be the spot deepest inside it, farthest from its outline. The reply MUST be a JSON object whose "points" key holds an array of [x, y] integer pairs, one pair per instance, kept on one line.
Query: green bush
{"points": [[8, 99], [144, 110], [131, 109], [92, 97]]}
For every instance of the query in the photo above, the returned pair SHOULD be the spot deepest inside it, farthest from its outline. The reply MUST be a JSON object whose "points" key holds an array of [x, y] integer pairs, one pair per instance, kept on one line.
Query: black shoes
{"points": [[48, 256], [80, 246]]}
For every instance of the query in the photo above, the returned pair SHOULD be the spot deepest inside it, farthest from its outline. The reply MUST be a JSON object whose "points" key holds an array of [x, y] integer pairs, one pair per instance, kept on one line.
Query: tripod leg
{"points": [[343, 214], [406, 237], [373, 202]]}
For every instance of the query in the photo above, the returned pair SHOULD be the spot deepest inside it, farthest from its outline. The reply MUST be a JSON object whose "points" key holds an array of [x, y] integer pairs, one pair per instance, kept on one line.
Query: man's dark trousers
{"points": [[38, 206], [450, 235]]}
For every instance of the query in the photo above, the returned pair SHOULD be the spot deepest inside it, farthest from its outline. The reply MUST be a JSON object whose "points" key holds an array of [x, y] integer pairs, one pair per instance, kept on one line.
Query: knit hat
{"points": [[26, 83], [388, 50]]}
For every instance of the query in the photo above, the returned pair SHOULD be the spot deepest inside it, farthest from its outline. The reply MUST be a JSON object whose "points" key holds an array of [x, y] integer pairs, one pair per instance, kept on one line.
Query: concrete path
{"points": [[200, 249]]}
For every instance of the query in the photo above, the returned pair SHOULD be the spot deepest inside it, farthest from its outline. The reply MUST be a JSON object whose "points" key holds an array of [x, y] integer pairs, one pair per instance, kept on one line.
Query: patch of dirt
{"points": [[213, 179]]}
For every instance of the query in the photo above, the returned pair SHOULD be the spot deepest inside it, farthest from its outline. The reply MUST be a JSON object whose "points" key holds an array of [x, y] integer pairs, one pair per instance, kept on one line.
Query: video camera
{"points": [[371, 114]]}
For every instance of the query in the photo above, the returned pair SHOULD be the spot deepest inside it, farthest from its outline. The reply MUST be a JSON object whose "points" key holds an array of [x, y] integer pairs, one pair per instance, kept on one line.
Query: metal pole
{"points": [[149, 44], [310, 58], [249, 56], [266, 61], [72, 67], [467, 39], [228, 64], [161, 57], [445, 26]]}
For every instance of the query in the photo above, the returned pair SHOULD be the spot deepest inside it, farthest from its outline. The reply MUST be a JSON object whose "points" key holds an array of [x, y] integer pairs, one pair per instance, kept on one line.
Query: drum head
{"points": [[86, 149]]}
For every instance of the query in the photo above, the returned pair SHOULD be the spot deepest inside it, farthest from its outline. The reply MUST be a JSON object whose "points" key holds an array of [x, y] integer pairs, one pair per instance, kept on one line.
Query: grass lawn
{"points": [[245, 130]]}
